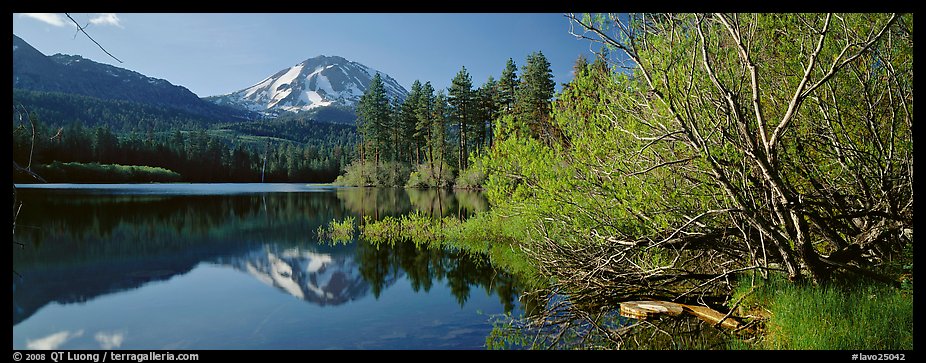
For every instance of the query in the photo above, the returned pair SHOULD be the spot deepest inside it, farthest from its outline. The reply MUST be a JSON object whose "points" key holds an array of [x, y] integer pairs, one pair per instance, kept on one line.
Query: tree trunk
{"points": [[462, 163]]}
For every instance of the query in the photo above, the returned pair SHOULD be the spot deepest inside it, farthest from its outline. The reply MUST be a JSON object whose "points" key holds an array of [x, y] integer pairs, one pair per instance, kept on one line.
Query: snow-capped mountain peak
{"points": [[316, 82]]}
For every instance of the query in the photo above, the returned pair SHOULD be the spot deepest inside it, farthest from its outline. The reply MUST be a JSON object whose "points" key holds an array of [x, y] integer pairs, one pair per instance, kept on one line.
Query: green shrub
{"points": [[368, 174], [427, 177], [472, 178]]}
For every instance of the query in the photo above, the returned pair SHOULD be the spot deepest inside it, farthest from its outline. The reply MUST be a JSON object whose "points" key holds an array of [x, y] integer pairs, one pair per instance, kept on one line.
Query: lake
{"points": [[239, 266]]}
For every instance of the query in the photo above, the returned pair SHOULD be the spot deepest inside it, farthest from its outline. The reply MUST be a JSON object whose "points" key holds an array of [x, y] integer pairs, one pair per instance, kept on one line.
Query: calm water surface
{"points": [[238, 266]]}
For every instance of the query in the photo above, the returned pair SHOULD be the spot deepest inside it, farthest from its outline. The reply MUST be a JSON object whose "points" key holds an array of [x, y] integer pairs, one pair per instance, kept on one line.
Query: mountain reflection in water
{"points": [[81, 245]]}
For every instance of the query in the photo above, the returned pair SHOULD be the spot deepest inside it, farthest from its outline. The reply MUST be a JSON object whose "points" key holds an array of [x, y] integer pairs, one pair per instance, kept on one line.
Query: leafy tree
{"points": [[785, 136]]}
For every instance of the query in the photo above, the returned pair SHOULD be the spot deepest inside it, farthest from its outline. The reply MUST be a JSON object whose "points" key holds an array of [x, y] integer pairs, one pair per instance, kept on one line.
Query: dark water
{"points": [[236, 266]]}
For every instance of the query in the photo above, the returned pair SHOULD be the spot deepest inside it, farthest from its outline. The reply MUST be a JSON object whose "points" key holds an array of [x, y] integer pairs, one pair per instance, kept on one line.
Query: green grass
{"points": [[854, 315]]}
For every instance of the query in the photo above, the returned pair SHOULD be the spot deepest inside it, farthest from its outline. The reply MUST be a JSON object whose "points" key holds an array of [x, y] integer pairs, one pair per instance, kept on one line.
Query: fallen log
{"points": [[647, 309]]}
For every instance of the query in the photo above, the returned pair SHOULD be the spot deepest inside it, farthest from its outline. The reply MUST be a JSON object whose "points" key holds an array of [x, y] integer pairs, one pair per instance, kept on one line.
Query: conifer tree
{"points": [[488, 101], [534, 96], [507, 86], [460, 97], [438, 133], [409, 139], [424, 109], [373, 117]]}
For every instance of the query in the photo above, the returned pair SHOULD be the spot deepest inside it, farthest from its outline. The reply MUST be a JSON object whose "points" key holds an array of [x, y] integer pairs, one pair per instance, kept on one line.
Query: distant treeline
{"points": [[119, 115], [198, 156], [58, 172]]}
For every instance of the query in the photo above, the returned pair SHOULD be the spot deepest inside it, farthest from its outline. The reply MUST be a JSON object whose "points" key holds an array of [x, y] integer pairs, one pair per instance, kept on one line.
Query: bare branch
{"points": [[82, 29]]}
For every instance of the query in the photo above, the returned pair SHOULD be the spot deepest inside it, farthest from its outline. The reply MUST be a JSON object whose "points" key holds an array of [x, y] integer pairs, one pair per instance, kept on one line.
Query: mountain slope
{"points": [[316, 84], [73, 74]]}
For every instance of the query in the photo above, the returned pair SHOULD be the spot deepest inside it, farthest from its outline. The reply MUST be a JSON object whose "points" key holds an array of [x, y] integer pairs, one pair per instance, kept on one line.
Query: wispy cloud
{"points": [[109, 341], [53, 341], [48, 18], [106, 19], [61, 20]]}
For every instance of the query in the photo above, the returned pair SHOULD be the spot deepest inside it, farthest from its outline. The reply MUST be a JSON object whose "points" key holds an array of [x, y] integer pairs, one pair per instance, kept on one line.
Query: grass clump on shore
{"points": [[843, 315]]}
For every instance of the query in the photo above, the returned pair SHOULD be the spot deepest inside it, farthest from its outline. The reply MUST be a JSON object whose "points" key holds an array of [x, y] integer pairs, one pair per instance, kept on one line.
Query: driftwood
{"points": [[647, 309]]}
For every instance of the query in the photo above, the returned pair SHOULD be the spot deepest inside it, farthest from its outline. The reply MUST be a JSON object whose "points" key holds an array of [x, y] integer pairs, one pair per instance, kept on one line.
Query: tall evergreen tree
{"points": [[411, 139], [440, 121], [488, 100], [507, 86], [424, 110], [579, 66], [534, 96], [394, 129], [461, 99], [373, 118]]}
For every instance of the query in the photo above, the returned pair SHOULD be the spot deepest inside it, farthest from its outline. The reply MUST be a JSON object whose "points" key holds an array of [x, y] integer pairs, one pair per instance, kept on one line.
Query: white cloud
{"points": [[48, 18], [109, 341], [106, 19], [53, 341]]}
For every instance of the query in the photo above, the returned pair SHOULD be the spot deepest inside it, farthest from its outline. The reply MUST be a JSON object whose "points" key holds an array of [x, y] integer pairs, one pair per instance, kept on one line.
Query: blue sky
{"points": [[219, 53]]}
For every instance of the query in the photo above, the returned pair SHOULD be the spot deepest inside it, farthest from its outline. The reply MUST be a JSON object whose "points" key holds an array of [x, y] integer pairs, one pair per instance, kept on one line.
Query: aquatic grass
{"points": [[484, 233], [337, 232], [387, 230]]}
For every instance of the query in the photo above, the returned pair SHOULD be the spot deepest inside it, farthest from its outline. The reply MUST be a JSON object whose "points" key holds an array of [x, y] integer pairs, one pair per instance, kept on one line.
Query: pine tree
{"points": [[507, 86], [373, 118], [439, 134], [534, 96], [424, 109], [411, 139], [579, 66], [488, 100], [394, 129], [460, 97]]}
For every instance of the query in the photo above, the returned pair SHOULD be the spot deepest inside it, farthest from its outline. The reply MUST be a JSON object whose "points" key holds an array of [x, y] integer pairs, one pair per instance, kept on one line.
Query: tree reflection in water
{"points": [[83, 246]]}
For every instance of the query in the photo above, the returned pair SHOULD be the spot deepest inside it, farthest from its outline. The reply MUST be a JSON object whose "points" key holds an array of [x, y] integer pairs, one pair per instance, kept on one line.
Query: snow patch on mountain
{"points": [[316, 82]]}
